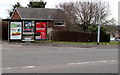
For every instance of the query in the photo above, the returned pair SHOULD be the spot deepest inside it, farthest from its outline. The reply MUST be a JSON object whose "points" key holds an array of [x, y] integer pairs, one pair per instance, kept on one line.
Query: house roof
{"points": [[41, 13]]}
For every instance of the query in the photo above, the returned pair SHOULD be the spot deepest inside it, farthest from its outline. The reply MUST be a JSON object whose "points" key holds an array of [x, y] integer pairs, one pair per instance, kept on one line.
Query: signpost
{"points": [[98, 35]]}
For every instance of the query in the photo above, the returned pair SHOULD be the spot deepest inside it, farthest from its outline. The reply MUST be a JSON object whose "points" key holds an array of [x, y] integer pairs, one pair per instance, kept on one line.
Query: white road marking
{"points": [[28, 67], [9, 68], [25, 67], [91, 62], [102, 61], [112, 60]]}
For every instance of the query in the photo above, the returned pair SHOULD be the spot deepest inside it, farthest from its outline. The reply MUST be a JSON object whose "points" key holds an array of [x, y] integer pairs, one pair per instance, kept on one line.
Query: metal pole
{"points": [[98, 35]]}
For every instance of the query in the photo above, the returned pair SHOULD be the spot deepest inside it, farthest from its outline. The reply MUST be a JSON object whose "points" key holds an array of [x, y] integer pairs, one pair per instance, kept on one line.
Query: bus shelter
{"points": [[27, 30]]}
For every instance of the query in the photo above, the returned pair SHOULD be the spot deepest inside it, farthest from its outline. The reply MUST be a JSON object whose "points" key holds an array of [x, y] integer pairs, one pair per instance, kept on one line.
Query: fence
{"points": [[72, 36]]}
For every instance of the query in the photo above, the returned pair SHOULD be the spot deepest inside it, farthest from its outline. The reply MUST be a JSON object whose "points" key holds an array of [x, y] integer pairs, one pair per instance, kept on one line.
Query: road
{"points": [[46, 59]]}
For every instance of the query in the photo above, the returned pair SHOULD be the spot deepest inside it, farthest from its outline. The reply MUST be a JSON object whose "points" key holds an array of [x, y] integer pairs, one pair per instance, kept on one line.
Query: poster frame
{"points": [[23, 30], [22, 20], [9, 30], [35, 30]]}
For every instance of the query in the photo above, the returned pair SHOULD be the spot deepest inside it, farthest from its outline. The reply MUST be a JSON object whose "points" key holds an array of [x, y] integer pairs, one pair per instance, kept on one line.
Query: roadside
{"points": [[62, 44]]}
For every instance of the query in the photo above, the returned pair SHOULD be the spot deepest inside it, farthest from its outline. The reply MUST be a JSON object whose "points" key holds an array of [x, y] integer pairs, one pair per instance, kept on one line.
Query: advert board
{"points": [[15, 30], [41, 30], [28, 31]]}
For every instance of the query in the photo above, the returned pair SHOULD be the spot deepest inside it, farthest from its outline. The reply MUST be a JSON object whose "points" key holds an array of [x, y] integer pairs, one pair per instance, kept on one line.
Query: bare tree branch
{"points": [[86, 13]]}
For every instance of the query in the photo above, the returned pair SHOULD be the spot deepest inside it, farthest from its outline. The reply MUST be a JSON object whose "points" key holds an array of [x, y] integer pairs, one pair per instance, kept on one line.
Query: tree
{"points": [[13, 8], [112, 27], [37, 4], [86, 14], [68, 8]]}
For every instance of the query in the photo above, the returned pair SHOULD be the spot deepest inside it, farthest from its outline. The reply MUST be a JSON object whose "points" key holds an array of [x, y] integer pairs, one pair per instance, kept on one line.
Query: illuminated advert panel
{"points": [[41, 29], [28, 31], [15, 30]]}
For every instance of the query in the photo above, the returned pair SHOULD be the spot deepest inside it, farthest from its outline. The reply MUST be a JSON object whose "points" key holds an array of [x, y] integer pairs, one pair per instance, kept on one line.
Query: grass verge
{"points": [[101, 43]]}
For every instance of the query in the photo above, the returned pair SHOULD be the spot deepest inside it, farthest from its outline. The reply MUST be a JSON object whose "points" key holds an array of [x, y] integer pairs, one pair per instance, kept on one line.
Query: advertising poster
{"points": [[40, 30], [28, 26], [15, 30], [28, 31]]}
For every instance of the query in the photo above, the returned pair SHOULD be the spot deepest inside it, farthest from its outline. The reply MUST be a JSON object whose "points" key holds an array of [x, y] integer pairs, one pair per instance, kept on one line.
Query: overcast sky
{"points": [[7, 4]]}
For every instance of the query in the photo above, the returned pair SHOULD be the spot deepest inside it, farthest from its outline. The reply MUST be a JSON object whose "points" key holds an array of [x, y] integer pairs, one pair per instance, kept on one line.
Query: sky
{"points": [[5, 5]]}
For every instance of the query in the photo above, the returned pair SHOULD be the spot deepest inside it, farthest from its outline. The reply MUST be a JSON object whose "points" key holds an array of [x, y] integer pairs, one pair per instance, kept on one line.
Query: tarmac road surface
{"points": [[48, 59]]}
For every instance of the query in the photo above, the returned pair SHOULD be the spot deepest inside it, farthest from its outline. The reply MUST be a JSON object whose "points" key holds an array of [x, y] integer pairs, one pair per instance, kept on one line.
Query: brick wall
{"points": [[51, 25], [15, 15]]}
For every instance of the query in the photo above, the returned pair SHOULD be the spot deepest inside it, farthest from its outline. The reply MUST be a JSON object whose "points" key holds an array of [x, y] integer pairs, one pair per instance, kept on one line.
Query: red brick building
{"points": [[54, 17], [25, 23]]}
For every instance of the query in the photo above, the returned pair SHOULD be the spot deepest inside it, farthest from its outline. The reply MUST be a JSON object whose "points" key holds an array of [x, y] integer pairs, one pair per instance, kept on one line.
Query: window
{"points": [[60, 23]]}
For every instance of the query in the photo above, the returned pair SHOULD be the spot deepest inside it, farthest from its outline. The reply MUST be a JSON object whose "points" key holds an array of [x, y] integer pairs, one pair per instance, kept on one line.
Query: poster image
{"points": [[40, 30], [28, 26], [15, 30], [28, 31]]}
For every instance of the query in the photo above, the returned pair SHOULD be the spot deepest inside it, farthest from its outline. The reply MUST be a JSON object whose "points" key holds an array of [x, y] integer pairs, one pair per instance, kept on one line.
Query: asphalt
{"points": [[51, 59], [47, 57]]}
